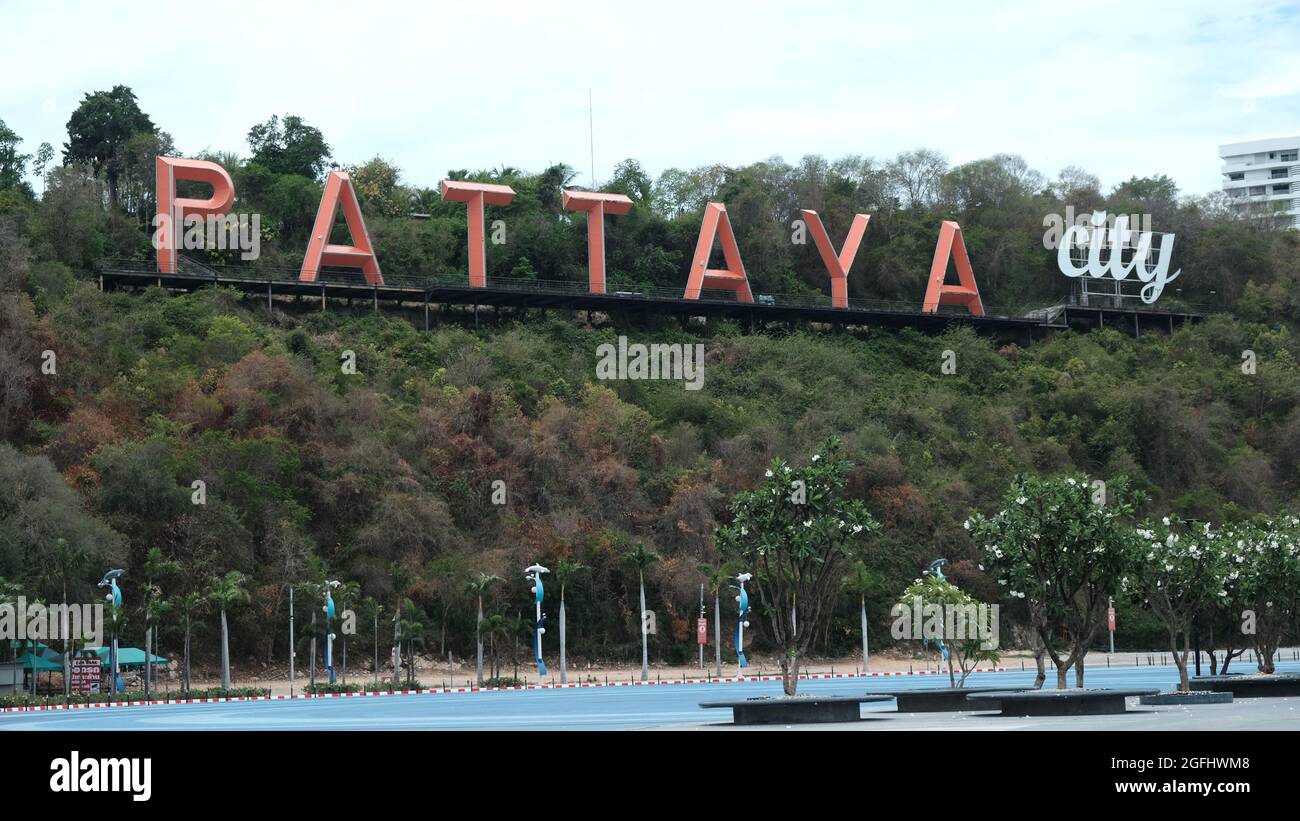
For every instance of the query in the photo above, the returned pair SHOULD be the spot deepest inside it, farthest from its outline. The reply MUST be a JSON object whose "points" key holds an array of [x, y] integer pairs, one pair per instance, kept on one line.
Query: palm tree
{"points": [[412, 623], [371, 608], [861, 580], [565, 569], [65, 561], [189, 606], [490, 626], [348, 593], [477, 586], [404, 579], [642, 558], [154, 606], [443, 576], [227, 592]]}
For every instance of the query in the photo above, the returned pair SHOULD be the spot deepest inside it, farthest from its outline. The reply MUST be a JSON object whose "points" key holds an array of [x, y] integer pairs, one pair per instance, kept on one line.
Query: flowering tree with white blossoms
{"points": [[796, 532], [1062, 545], [964, 644], [1182, 570], [1268, 551]]}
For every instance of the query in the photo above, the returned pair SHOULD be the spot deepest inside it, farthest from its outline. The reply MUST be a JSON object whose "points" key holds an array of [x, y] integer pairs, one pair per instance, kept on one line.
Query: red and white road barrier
{"points": [[440, 690]]}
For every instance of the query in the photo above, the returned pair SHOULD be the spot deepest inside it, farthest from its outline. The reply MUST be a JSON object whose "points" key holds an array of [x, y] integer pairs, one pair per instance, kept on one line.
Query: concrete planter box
{"points": [[1274, 686], [797, 710], [943, 699], [1059, 702], [1186, 699]]}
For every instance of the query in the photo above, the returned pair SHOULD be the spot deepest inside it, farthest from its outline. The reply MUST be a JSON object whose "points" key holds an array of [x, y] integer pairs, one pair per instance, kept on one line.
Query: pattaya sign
{"points": [[1121, 236], [179, 214]]}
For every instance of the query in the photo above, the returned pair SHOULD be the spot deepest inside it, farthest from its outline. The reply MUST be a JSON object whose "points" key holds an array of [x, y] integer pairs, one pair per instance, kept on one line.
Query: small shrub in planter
{"points": [[502, 681]]}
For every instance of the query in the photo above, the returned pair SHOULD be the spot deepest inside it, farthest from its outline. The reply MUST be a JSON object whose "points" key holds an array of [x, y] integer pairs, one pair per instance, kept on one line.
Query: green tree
{"points": [[414, 627], [491, 626], [973, 640], [1180, 571], [227, 592], [641, 558], [797, 530], [566, 568], [189, 606], [861, 581], [291, 147], [477, 587], [154, 605], [13, 166], [1062, 544], [44, 156], [1268, 548], [99, 129]]}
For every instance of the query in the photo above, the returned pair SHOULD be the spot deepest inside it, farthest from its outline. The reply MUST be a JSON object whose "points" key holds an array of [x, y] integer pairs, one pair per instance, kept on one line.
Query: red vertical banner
{"points": [[1110, 619], [702, 631]]}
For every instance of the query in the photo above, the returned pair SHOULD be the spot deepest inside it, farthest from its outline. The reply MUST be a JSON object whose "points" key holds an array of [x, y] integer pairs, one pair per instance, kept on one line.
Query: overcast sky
{"points": [[1119, 88]]}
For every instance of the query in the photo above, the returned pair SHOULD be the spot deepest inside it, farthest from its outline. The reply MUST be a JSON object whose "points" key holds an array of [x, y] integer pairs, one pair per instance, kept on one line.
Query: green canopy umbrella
{"points": [[37, 664], [126, 656]]}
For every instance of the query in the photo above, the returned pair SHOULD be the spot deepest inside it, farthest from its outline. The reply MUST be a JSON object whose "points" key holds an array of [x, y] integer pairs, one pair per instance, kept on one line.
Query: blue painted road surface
{"points": [[598, 708]]}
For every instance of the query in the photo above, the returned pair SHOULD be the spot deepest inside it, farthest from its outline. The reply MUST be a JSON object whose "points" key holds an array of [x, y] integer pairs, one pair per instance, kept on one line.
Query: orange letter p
{"points": [[172, 209]]}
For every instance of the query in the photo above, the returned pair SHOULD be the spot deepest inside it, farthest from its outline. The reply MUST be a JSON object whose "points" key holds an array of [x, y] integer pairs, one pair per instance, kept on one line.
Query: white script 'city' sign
{"points": [[1154, 279]]}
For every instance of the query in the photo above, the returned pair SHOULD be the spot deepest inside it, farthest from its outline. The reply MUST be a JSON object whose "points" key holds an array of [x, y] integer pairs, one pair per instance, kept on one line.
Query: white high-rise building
{"points": [[1263, 176]]}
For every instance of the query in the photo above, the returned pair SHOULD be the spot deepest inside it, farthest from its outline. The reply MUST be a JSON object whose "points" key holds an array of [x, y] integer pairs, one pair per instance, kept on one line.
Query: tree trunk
{"points": [[1078, 669], [478, 641], [645, 645], [1180, 660], [564, 677], [186, 681], [866, 650], [148, 661], [1062, 683], [1041, 664], [225, 652], [790, 672]]}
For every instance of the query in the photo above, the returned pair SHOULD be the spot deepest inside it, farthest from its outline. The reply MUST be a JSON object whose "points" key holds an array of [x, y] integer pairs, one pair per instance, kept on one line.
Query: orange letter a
{"points": [[731, 278], [361, 254], [967, 293]]}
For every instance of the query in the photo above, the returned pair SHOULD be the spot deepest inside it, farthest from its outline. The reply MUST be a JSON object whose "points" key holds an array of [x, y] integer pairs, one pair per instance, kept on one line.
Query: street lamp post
{"points": [[329, 637], [534, 574], [114, 597], [706, 629], [742, 599], [936, 569], [292, 649]]}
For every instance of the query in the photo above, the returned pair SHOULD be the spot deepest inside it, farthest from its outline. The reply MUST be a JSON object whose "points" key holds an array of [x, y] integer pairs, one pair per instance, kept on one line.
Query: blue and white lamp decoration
{"points": [[534, 574], [114, 598], [742, 601], [329, 636], [936, 570]]}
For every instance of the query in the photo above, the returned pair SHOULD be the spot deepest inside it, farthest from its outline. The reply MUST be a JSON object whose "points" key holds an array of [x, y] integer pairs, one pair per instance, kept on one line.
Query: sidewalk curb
{"points": [[443, 690]]}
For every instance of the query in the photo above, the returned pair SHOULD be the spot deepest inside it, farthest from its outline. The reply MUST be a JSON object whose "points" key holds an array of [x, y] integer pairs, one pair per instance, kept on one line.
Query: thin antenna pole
{"points": [[591, 138]]}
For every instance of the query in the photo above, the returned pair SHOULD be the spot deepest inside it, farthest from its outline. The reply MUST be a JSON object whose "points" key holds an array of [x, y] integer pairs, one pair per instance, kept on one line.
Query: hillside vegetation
{"points": [[385, 477]]}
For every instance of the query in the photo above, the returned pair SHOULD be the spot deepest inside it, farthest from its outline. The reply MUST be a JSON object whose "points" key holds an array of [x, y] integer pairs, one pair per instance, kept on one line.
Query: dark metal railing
{"points": [[615, 291]]}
